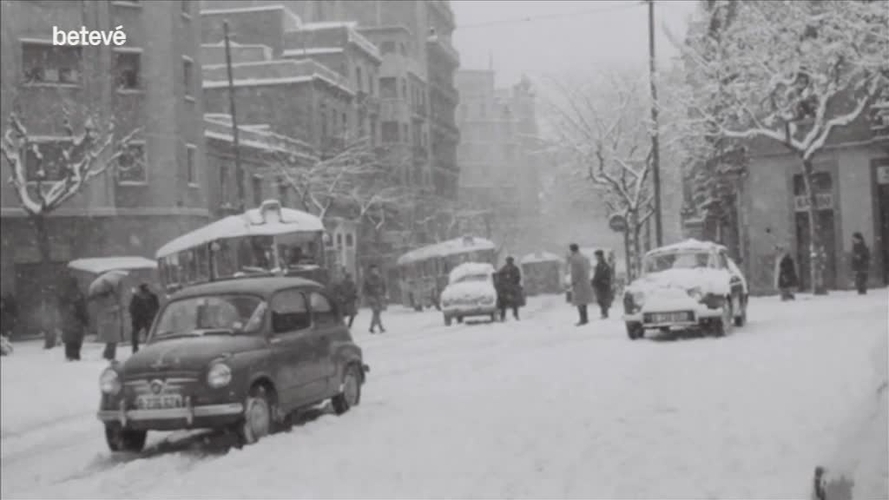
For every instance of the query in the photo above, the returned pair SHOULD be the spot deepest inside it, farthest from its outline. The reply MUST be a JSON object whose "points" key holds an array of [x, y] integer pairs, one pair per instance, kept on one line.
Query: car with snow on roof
{"points": [[689, 285], [470, 292], [241, 355]]}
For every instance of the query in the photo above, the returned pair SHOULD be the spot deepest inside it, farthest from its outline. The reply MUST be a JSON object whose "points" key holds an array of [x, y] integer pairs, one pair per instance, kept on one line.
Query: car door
{"points": [[291, 345], [328, 327]]}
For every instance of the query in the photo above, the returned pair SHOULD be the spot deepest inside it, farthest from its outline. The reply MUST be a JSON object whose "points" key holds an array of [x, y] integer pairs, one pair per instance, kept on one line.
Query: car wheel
{"points": [[635, 330], [257, 422], [459, 319], [493, 317], [723, 326], [447, 320], [351, 394], [741, 319], [120, 439]]}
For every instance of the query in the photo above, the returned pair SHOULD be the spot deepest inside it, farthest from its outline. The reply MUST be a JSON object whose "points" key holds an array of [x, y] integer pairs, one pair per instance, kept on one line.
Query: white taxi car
{"points": [[690, 285], [470, 292]]}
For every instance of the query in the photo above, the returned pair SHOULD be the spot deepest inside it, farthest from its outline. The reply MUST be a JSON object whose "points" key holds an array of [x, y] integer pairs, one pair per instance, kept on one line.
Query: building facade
{"points": [[152, 83], [852, 183], [498, 170]]}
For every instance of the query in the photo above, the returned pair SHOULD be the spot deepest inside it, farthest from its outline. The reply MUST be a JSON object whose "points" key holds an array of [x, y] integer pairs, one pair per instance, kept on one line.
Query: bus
{"points": [[269, 240], [541, 273], [423, 272]]}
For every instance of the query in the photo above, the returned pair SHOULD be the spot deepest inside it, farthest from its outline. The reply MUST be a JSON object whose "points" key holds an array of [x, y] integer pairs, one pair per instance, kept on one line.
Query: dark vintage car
{"points": [[241, 355]]}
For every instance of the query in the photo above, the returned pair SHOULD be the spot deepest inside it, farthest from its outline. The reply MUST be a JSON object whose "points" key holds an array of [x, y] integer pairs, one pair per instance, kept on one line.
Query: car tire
{"points": [[721, 327], [258, 416], [351, 394], [120, 439], [459, 319], [447, 320], [493, 317], [635, 330], [741, 319]]}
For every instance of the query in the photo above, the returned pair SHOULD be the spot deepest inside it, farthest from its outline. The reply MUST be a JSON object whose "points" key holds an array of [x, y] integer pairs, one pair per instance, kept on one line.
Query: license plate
{"points": [[670, 317], [159, 402]]}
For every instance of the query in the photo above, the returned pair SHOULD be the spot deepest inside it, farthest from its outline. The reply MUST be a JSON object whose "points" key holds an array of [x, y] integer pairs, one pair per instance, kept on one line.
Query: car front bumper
{"points": [[699, 315], [473, 310], [172, 418]]}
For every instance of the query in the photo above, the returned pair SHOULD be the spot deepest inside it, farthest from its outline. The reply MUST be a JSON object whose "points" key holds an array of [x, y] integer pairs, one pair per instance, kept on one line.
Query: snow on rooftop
{"points": [[690, 244], [99, 265], [536, 257], [250, 223], [324, 25], [315, 51], [470, 269], [249, 82], [240, 10], [445, 248]]}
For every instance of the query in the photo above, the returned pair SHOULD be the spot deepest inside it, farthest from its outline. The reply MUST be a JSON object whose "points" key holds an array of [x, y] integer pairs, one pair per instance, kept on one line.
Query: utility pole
{"points": [[655, 147], [239, 173]]}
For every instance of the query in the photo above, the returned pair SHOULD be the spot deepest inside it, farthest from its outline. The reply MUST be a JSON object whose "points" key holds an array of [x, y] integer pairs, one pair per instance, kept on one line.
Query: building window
{"points": [[127, 68], [390, 132], [188, 76], [359, 82], [349, 241], [483, 110], [387, 47], [131, 165], [345, 123], [370, 83], [404, 88], [402, 49], [373, 132], [257, 191], [388, 88], [191, 169], [339, 239], [223, 183], [406, 132], [45, 63], [323, 120], [47, 162]]}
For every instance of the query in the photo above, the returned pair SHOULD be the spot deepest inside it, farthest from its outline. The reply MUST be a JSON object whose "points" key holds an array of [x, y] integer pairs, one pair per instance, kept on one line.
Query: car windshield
{"points": [[663, 261], [472, 277], [222, 314]]}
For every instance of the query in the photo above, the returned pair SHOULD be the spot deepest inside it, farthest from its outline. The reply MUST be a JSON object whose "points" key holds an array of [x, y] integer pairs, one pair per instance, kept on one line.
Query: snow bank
{"points": [[470, 269]]}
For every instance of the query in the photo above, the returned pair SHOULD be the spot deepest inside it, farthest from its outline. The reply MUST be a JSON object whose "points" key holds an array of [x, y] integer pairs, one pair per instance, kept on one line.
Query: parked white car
{"points": [[470, 292], [690, 285]]}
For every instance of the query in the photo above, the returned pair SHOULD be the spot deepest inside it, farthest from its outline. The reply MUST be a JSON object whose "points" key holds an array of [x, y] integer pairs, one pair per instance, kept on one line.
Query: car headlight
{"points": [[696, 293], [219, 375], [109, 381], [638, 298]]}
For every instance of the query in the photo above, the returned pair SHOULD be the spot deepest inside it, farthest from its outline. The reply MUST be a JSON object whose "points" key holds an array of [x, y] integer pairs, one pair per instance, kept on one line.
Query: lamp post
{"points": [[239, 173], [655, 146]]}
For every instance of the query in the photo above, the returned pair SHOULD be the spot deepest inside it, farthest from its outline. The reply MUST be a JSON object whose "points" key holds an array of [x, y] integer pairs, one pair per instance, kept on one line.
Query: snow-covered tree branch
{"points": [[788, 72]]}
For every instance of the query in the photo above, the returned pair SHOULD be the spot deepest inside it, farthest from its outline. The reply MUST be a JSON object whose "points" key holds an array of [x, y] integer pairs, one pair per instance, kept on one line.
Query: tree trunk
{"points": [[627, 259], [816, 246], [41, 235], [635, 244]]}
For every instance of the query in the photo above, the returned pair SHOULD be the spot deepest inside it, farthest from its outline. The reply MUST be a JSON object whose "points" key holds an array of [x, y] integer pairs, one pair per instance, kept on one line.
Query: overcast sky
{"points": [[548, 37]]}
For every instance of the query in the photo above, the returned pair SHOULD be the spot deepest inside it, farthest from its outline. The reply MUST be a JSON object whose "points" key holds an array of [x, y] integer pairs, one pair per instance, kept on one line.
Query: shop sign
{"points": [[824, 201], [883, 174]]}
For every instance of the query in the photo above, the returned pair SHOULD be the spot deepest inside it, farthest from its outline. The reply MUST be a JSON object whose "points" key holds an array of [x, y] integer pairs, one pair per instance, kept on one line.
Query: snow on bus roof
{"points": [[690, 244], [445, 248], [536, 257], [253, 222], [99, 265]]}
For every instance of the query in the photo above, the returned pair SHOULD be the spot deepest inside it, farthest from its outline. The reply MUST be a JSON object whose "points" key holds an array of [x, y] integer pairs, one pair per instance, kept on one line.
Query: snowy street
{"points": [[538, 408]]}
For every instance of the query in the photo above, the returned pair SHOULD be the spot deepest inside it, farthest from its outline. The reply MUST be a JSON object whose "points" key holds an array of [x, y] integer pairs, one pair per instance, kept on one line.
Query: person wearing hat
{"points": [[143, 307], [786, 279]]}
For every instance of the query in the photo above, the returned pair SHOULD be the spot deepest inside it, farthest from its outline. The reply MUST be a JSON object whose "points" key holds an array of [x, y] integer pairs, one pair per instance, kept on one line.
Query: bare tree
{"points": [[788, 72], [602, 132], [85, 154]]}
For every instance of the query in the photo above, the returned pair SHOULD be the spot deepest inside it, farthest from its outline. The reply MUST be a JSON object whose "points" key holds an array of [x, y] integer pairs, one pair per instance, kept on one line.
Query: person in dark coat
{"points": [[347, 294], [374, 290], [581, 286], [786, 279], [860, 262], [143, 308], [510, 289], [602, 283], [74, 319], [8, 315]]}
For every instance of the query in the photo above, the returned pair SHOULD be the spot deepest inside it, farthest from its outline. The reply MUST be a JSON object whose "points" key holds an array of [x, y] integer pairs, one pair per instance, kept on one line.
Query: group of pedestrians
{"points": [[585, 289], [375, 296], [787, 279]]}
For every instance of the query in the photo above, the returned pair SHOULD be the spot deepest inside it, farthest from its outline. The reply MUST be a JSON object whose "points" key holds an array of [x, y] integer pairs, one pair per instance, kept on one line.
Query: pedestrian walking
{"points": [[602, 281], [374, 290], [581, 287], [860, 262], [143, 308], [347, 294], [510, 289], [109, 322], [8, 315], [786, 279], [74, 319]]}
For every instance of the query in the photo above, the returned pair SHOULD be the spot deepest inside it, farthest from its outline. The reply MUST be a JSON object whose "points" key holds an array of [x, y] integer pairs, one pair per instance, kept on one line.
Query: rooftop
{"points": [[219, 126], [295, 39], [282, 71]]}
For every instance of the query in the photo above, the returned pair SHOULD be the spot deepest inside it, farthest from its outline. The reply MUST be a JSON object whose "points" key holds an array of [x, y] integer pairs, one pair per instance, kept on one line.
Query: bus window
{"points": [[202, 263], [224, 258]]}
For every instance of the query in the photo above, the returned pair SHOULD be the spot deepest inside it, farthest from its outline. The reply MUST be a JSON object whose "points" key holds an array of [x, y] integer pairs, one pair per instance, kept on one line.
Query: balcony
{"points": [[370, 103], [438, 45]]}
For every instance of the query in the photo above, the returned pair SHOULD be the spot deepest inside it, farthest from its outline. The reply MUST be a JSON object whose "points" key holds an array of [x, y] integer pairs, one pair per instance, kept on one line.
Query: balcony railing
{"points": [[439, 43]]}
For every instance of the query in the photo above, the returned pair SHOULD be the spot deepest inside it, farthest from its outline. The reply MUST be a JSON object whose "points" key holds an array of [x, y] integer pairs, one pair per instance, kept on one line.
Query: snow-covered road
{"points": [[538, 408]]}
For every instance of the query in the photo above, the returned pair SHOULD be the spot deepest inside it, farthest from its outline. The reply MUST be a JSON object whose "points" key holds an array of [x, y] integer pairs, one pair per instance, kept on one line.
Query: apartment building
{"points": [[151, 83]]}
